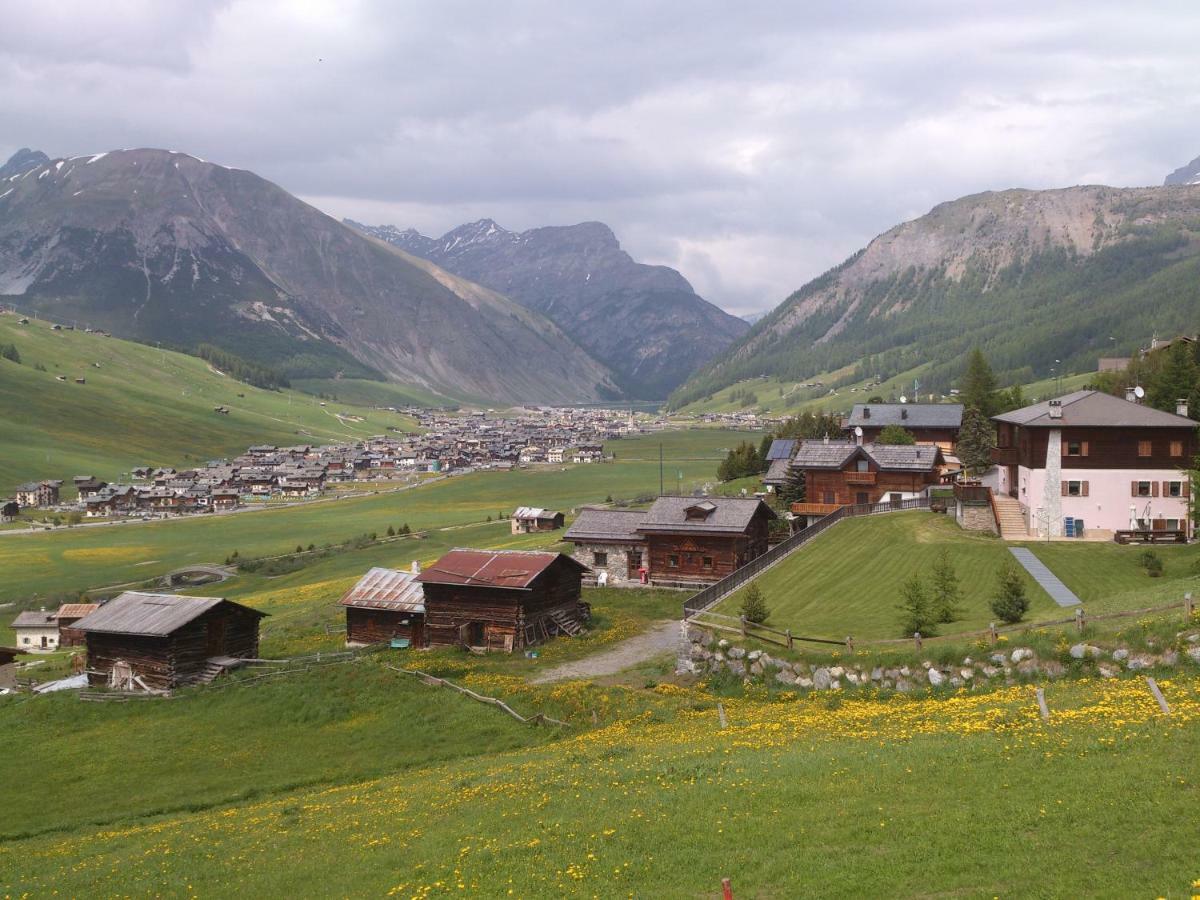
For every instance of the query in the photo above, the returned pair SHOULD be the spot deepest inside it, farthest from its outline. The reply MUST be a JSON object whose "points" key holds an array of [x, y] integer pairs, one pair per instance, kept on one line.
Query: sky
{"points": [[752, 146]]}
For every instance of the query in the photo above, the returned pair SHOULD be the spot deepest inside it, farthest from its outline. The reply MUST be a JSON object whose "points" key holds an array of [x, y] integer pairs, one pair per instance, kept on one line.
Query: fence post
{"points": [[743, 621], [1158, 695], [917, 639], [992, 632], [1189, 606], [849, 645], [788, 633], [1079, 618], [1041, 699]]}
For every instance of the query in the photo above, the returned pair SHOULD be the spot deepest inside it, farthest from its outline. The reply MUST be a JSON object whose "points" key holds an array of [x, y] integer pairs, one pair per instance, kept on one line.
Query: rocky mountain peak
{"points": [[1189, 174], [22, 161]]}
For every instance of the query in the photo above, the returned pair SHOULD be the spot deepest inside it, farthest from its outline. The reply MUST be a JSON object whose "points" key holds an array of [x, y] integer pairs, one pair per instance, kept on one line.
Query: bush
{"points": [[1149, 560], [916, 613], [391, 532], [754, 607], [1010, 602]]}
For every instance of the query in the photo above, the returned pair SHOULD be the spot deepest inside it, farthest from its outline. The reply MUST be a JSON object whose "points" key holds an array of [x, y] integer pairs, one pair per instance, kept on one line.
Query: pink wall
{"points": [[1108, 501]]}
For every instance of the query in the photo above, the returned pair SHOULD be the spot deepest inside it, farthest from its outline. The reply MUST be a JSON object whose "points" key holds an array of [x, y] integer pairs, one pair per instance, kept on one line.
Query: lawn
{"points": [[967, 794], [142, 406], [847, 581], [1108, 577]]}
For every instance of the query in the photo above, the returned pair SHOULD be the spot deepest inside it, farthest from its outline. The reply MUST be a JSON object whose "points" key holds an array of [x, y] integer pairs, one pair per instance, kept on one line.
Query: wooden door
{"points": [[216, 637]]}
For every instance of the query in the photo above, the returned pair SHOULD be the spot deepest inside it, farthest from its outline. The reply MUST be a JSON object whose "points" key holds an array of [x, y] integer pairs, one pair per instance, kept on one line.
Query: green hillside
{"points": [[142, 406]]}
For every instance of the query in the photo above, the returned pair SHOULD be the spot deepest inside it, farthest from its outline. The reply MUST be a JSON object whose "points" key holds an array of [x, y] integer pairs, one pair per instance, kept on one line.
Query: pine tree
{"points": [[979, 384], [946, 590], [754, 607], [1010, 602], [764, 449], [795, 488], [976, 439], [895, 434], [1175, 380], [915, 611]]}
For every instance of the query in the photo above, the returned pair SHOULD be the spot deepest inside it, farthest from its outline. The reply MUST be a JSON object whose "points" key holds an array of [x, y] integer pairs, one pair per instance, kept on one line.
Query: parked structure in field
{"points": [[36, 631], [1094, 460], [530, 519], [843, 473], [607, 542], [502, 599], [8, 667], [691, 539], [385, 605], [163, 641], [930, 423]]}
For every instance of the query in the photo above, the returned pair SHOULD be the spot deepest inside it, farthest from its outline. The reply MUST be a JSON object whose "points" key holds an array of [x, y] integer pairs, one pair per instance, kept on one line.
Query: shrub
{"points": [[916, 613], [1010, 602], [1149, 560], [391, 532], [946, 591], [754, 607]]}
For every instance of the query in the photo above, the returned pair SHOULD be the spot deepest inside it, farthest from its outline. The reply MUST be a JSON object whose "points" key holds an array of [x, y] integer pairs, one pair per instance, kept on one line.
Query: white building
{"points": [[36, 631]]}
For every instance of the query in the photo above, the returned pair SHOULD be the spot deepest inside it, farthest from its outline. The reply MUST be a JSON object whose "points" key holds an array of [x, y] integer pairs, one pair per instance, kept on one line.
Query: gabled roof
{"points": [[76, 610], [908, 415], [777, 472], [512, 569], [730, 515], [824, 454], [33, 618], [389, 589], [533, 512], [155, 615], [781, 448], [1094, 409], [904, 457], [606, 525]]}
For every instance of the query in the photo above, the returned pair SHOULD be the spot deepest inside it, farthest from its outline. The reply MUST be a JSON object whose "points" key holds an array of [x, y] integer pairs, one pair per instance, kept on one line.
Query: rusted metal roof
{"points": [[388, 589], [76, 610], [513, 569], [157, 615]]}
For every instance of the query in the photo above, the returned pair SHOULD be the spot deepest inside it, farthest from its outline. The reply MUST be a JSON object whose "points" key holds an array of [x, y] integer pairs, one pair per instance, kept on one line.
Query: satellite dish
{"points": [[903, 399], [1139, 392], [858, 432]]}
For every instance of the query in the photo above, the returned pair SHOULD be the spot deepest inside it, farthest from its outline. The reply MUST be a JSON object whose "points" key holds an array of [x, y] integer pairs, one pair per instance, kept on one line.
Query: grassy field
{"points": [[965, 794], [847, 582], [142, 406], [361, 392]]}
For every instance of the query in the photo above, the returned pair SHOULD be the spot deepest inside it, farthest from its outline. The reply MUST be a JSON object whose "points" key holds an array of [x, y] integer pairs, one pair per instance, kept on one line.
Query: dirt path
{"points": [[660, 639]]}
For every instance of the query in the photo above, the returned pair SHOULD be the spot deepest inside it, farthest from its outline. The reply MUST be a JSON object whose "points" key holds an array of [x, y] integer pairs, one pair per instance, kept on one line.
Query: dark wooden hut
{"points": [[68, 614], [164, 641], [502, 599], [385, 604]]}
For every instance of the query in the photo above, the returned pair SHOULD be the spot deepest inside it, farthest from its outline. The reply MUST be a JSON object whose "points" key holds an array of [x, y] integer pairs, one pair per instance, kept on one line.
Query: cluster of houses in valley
{"points": [[451, 443]]}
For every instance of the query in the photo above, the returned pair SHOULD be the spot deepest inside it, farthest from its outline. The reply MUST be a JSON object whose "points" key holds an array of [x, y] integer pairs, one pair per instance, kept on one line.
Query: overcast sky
{"points": [[751, 146]]}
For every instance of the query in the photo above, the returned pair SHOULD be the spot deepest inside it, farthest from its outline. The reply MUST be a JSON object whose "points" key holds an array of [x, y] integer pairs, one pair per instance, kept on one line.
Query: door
{"points": [[216, 637], [862, 498]]}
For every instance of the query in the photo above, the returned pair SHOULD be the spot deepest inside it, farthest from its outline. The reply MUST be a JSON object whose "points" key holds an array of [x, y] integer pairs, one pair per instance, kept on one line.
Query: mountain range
{"points": [[161, 246], [1038, 279], [644, 322]]}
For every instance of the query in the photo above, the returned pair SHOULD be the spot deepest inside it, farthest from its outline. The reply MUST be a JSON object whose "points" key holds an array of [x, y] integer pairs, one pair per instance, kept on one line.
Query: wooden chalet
{"points": [[68, 614], [843, 473], [689, 539], [385, 605], [8, 668], [502, 599], [10, 509], [163, 641], [531, 519], [930, 423]]}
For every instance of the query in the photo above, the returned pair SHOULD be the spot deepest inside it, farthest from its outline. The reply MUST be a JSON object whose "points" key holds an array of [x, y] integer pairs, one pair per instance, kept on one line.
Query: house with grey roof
{"points": [[700, 540], [36, 631], [929, 423], [607, 542]]}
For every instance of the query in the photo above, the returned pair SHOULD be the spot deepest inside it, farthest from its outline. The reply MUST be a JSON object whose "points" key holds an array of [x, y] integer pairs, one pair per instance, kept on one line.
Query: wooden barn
{"points": [[8, 668], [703, 540], [384, 605], [502, 599], [532, 519], [68, 614], [163, 641]]}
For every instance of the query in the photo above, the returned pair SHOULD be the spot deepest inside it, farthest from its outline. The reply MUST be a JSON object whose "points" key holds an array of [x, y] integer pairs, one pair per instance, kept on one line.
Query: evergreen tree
{"points": [[896, 435], [976, 439], [795, 488], [1010, 602], [946, 590], [979, 384], [916, 614], [754, 607], [764, 448], [1175, 379]]}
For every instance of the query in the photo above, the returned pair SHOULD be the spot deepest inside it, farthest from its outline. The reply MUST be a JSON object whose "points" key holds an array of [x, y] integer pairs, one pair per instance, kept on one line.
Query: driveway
{"points": [[662, 638]]}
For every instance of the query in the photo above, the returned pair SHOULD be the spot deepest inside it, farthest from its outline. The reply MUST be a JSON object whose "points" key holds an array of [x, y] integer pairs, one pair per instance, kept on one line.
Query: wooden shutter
{"points": [[1064, 488], [1154, 489], [1083, 448], [1064, 448], [1133, 489], [1187, 487], [1085, 489]]}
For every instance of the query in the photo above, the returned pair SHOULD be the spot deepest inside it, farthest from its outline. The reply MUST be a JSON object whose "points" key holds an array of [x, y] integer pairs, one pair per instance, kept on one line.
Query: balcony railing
{"points": [[860, 478], [1005, 456], [815, 509]]}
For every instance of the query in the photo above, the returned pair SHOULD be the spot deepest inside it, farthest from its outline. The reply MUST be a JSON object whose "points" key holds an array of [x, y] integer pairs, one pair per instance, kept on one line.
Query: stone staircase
{"points": [[1012, 522]]}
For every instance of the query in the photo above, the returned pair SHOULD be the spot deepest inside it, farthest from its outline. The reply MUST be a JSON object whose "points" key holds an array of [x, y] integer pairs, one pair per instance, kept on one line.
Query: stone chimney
{"points": [[1056, 409], [866, 412], [1130, 395], [416, 567], [1181, 407]]}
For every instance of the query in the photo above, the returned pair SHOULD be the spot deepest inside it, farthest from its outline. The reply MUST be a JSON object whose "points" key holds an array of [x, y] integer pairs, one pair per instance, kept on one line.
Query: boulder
{"points": [[1106, 671], [852, 677], [1082, 651], [835, 685], [723, 644], [1121, 655], [967, 674], [783, 676], [821, 679], [1052, 668], [998, 658], [968, 661], [887, 684], [926, 664], [955, 681], [936, 678], [1194, 653], [1170, 658], [891, 673], [905, 672], [753, 655], [904, 686], [756, 668], [989, 671], [1137, 663], [877, 674], [697, 635], [1021, 653], [803, 682], [1027, 666], [736, 653], [836, 672], [699, 651], [737, 667], [1194, 638]]}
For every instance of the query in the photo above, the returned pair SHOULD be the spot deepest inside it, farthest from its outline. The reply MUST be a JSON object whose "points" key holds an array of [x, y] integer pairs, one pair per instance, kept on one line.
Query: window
{"points": [[1177, 448], [1074, 448], [1142, 488], [1145, 448], [673, 561], [708, 562], [600, 557], [830, 497], [1173, 489], [1074, 488], [27, 640], [1173, 525], [862, 466]]}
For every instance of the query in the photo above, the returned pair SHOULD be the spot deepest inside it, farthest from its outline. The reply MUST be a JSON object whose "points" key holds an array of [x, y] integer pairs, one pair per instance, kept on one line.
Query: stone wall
{"points": [[618, 561], [975, 517]]}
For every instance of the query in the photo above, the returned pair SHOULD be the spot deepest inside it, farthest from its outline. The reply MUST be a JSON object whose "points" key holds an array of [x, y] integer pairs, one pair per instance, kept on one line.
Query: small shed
{"points": [[502, 599], [68, 614], [531, 519], [166, 640], [8, 668], [384, 605]]}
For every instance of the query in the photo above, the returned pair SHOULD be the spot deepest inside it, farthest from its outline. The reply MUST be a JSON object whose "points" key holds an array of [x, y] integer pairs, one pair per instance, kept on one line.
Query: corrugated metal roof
{"points": [[606, 525], [909, 415], [1094, 409], [75, 610], [515, 569], [157, 615], [533, 512], [389, 589], [728, 514]]}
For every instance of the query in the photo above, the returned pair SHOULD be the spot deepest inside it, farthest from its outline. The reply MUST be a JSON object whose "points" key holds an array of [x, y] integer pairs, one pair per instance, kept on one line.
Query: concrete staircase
{"points": [[1012, 523]]}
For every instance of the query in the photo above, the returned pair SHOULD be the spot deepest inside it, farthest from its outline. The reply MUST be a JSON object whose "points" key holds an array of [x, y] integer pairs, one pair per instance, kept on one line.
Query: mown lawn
{"points": [[1109, 577], [963, 795]]}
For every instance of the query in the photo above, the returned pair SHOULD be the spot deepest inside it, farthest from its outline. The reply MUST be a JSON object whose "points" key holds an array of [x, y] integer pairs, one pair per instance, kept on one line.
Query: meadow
{"points": [[956, 794], [143, 406]]}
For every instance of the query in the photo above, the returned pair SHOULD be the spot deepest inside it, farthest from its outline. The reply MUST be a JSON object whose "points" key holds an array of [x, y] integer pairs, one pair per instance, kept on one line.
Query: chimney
{"points": [[1181, 407], [416, 567], [1056, 409], [1130, 395], [904, 413], [866, 412]]}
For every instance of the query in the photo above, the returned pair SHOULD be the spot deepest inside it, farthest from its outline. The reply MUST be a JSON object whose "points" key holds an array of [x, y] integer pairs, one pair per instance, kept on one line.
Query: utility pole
{"points": [[660, 469]]}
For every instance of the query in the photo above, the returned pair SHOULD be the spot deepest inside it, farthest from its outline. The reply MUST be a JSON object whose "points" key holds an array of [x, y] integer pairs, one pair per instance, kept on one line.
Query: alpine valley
{"points": [[160, 246]]}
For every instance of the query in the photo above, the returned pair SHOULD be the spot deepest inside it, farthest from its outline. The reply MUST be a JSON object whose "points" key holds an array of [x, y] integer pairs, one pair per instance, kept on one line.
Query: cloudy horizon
{"points": [[751, 150]]}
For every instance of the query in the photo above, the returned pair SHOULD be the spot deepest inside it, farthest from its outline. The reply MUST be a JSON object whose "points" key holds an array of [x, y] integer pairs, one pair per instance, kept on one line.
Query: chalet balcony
{"points": [[815, 509], [860, 477], [1005, 456]]}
